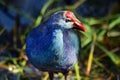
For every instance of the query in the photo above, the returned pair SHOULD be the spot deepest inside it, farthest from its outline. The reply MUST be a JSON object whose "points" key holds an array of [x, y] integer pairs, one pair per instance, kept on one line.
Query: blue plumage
{"points": [[53, 46]]}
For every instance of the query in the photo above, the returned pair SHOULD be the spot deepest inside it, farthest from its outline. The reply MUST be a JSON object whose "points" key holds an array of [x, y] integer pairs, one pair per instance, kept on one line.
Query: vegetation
{"points": [[100, 53]]}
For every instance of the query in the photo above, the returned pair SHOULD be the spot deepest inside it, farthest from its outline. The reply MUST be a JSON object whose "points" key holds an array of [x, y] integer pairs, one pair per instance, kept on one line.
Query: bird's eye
{"points": [[69, 20]]}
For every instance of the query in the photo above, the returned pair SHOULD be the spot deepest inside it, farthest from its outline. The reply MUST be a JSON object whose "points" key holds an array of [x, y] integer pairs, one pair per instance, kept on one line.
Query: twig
{"points": [[90, 60]]}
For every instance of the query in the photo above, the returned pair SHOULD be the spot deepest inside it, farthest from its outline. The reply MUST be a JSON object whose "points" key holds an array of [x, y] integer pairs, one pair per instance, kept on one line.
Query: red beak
{"points": [[78, 25]]}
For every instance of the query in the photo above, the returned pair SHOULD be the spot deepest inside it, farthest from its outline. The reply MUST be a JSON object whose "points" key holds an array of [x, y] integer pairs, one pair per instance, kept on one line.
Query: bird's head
{"points": [[66, 20]]}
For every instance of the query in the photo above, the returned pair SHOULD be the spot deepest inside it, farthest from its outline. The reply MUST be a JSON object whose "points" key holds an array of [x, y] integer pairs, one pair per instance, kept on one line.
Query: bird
{"points": [[53, 46]]}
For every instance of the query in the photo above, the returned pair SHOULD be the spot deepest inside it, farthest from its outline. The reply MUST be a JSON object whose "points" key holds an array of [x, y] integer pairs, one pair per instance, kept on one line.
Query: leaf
{"points": [[76, 67], [39, 18], [88, 35], [113, 33], [93, 21], [85, 41], [2, 31], [111, 55], [114, 23]]}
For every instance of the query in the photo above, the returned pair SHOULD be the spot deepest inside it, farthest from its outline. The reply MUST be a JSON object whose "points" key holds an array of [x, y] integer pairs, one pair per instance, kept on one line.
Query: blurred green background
{"points": [[99, 58]]}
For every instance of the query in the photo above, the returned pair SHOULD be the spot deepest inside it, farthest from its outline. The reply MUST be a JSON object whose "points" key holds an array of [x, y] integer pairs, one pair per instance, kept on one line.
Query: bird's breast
{"points": [[56, 50]]}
